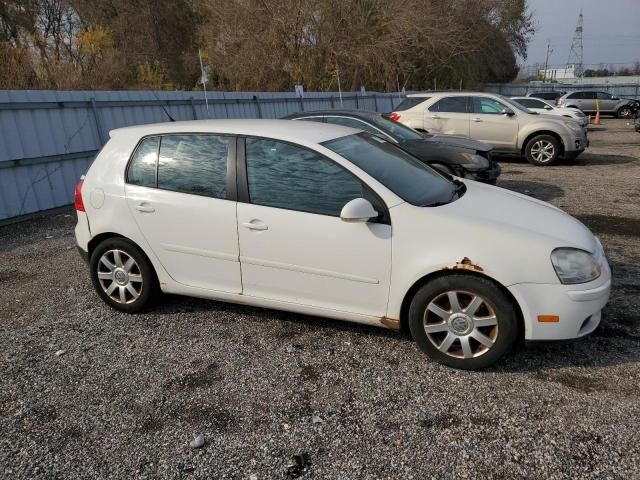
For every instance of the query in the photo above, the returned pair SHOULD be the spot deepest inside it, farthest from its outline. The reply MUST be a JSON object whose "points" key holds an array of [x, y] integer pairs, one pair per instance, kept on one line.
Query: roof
{"points": [[352, 112], [299, 132], [452, 93]]}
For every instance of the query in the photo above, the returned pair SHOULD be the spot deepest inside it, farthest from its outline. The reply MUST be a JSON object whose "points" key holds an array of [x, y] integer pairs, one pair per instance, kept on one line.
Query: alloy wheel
{"points": [[624, 112], [461, 324], [120, 276], [543, 151]]}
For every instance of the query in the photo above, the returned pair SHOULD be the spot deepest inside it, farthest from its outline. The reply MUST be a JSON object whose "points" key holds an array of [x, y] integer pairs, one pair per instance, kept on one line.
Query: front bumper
{"points": [[578, 307], [488, 175]]}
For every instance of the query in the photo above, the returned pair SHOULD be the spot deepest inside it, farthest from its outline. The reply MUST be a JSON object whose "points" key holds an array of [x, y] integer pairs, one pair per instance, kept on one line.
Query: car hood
{"points": [[458, 141], [436, 151], [506, 211]]}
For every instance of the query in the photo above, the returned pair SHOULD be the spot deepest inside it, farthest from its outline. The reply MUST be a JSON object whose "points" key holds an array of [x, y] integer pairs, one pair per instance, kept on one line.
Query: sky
{"points": [[611, 31]]}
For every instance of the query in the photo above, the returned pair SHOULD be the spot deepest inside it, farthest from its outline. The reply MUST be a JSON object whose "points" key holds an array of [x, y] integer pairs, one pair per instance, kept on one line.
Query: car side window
{"points": [[487, 106], [194, 164], [355, 123], [576, 96], [530, 103], [311, 119], [282, 175], [603, 96], [410, 102], [450, 105], [142, 169]]}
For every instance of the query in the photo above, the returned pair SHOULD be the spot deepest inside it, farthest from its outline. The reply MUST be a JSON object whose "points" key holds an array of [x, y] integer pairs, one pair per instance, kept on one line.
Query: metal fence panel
{"points": [[49, 138]]}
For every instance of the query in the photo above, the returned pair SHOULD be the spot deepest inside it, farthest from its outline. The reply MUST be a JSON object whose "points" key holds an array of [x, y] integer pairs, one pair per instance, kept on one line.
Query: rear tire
{"points": [[463, 321], [122, 275], [542, 150]]}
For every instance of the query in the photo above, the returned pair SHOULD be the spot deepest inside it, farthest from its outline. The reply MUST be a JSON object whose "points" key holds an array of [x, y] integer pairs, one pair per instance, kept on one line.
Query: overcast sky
{"points": [[611, 30]]}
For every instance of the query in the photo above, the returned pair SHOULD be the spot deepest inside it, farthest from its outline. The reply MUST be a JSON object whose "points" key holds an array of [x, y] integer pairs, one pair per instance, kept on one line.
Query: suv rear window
{"points": [[410, 102], [450, 104]]}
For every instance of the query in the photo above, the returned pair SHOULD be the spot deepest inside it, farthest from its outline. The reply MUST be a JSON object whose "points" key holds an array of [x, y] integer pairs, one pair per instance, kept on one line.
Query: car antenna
{"points": [[171, 119]]}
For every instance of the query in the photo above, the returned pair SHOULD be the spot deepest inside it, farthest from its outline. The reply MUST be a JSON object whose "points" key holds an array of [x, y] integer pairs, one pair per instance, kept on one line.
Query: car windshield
{"points": [[404, 175], [515, 105], [395, 129]]}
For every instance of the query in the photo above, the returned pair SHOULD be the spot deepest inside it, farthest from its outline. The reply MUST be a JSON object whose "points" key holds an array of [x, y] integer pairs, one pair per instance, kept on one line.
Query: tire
{"points": [[542, 150], [122, 275], [624, 112], [453, 332]]}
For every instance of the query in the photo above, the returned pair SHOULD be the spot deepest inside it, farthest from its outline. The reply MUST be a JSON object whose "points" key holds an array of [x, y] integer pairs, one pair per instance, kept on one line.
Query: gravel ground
{"points": [[86, 392]]}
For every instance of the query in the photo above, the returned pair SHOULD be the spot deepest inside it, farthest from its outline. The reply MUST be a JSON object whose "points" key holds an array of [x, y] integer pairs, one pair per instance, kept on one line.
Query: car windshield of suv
{"points": [[404, 175], [396, 129]]}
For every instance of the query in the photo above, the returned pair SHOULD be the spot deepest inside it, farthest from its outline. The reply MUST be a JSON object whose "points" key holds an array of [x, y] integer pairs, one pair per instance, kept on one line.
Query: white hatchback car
{"points": [[331, 221], [546, 108]]}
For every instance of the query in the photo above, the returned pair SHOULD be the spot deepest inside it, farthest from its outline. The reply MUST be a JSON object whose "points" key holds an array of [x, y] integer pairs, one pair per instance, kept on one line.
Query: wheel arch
{"points": [[408, 297], [542, 132]]}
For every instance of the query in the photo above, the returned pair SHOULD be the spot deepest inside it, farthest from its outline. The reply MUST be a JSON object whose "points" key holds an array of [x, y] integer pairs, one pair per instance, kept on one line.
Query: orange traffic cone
{"points": [[597, 120]]}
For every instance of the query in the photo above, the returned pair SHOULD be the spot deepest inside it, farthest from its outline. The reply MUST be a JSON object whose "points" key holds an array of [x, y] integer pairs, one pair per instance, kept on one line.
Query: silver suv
{"points": [[509, 127], [586, 101]]}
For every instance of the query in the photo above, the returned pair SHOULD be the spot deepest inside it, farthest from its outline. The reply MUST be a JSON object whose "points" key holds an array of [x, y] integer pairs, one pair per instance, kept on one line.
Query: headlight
{"points": [[573, 125], [574, 266], [472, 161]]}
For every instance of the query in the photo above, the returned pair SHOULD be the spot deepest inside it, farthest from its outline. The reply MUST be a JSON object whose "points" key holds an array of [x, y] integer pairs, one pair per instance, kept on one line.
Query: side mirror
{"points": [[615, 98], [548, 107], [508, 112], [358, 210]]}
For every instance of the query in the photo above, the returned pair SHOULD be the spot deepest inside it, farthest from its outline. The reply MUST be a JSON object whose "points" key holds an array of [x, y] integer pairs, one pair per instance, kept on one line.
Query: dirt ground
{"points": [[86, 392]]}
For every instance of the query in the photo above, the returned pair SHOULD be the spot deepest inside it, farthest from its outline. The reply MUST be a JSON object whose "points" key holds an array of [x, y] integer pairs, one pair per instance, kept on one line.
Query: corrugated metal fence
{"points": [[514, 89], [49, 138]]}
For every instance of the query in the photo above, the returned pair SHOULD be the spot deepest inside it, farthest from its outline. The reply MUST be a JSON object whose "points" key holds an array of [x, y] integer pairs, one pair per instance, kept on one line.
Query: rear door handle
{"points": [[435, 116], [145, 207], [476, 119], [255, 225]]}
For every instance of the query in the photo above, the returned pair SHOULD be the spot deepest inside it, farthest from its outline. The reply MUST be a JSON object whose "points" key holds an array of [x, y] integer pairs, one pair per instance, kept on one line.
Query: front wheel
{"points": [[463, 321], [122, 275], [542, 150], [624, 112]]}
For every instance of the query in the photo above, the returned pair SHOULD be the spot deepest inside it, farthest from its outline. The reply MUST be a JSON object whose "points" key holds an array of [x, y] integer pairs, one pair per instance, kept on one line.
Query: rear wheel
{"points": [[542, 150], [122, 275], [463, 321]]}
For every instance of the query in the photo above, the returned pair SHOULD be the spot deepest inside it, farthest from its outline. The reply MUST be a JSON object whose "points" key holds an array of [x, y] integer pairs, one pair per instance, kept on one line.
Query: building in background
{"points": [[558, 74]]}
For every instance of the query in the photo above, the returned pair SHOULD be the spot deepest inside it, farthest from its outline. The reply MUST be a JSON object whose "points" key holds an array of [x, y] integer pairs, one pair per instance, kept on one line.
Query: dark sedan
{"points": [[460, 156]]}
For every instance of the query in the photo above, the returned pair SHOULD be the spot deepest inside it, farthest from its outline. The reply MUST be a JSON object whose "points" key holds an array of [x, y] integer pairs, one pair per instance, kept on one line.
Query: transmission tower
{"points": [[576, 54]]}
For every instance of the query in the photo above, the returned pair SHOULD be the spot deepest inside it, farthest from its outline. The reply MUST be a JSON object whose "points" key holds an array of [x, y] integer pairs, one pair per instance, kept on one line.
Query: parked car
{"points": [[331, 221], [542, 106], [498, 121], [586, 101], [552, 96], [460, 156]]}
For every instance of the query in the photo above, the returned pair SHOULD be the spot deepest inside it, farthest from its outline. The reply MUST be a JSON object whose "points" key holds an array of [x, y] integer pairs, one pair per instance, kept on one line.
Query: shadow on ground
{"points": [[539, 190]]}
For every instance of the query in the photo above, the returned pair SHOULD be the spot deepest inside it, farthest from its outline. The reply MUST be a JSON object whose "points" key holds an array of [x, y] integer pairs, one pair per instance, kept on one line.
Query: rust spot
{"points": [[466, 264], [390, 323]]}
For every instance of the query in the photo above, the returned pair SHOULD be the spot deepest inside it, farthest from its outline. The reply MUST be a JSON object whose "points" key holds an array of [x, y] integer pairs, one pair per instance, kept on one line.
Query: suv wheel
{"points": [[542, 150], [463, 321], [122, 275], [624, 112]]}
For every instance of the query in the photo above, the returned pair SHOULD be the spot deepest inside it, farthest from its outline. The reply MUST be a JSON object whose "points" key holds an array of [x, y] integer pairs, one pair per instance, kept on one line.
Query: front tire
{"points": [[122, 275], [623, 112], [542, 150], [463, 321]]}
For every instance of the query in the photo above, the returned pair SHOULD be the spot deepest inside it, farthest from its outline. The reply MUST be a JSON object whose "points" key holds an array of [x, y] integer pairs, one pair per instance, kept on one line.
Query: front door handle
{"points": [[476, 119], [435, 116], [145, 207], [255, 225]]}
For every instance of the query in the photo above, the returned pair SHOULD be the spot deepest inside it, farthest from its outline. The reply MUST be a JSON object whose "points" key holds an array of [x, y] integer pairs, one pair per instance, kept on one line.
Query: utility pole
{"points": [[204, 72], [546, 62]]}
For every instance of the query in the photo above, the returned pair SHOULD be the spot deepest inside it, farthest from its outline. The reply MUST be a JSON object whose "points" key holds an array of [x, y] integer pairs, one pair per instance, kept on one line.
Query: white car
{"points": [[327, 220], [543, 107]]}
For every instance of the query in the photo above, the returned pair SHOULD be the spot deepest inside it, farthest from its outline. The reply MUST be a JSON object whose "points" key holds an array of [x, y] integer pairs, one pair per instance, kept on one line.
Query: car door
{"points": [[607, 104], [293, 245], [587, 101], [180, 189], [449, 115], [489, 124]]}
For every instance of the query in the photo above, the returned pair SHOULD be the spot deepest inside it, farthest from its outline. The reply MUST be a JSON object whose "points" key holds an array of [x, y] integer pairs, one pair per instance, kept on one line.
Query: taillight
{"points": [[395, 116], [79, 204]]}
